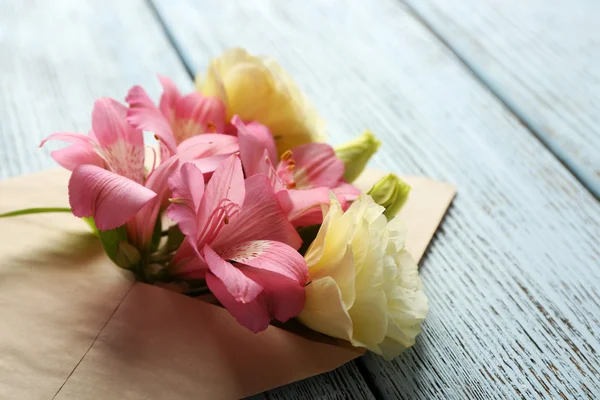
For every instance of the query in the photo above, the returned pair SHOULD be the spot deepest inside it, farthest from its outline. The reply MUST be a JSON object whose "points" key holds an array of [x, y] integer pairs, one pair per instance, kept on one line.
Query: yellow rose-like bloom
{"points": [[258, 89], [365, 287]]}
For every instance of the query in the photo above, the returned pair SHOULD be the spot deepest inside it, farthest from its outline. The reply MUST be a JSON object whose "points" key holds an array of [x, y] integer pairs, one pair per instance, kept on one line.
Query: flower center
{"points": [[217, 219]]}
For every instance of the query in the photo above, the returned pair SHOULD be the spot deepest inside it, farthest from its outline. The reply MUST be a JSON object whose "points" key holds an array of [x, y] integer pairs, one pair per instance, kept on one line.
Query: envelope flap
{"points": [[160, 344]]}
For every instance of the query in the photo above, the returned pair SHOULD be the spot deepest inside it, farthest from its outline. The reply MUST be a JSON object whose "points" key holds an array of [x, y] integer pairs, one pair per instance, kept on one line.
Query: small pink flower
{"points": [[303, 177], [177, 118], [240, 241]]}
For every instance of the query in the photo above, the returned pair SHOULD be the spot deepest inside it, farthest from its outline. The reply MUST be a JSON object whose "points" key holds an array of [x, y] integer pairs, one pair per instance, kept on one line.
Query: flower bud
{"points": [[356, 154], [390, 192], [127, 256]]}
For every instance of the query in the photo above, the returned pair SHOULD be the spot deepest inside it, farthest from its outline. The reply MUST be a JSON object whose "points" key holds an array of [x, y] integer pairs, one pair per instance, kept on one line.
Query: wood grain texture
{"points": [[513, 274], [58, 57], [542, 58]]}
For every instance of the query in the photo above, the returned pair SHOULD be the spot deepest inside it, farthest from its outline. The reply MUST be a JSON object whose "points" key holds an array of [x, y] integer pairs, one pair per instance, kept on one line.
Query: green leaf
{"points": [[27, 211], [110, 239]]}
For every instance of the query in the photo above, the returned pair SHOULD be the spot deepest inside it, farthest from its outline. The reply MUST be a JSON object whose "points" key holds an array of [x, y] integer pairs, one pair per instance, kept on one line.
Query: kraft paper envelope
{"points": [[75, 326]]}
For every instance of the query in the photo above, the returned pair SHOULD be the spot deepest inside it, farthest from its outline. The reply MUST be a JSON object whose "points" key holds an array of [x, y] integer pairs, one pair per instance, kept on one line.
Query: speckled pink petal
{"points": [[261, 218], [223, 195], [110, 198], [196, 114], [316, 165], [271, 256], [121, 144]]}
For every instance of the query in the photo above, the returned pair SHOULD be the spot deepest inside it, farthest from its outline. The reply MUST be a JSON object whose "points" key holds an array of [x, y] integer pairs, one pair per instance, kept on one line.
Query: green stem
{"points": [[35, 211]]}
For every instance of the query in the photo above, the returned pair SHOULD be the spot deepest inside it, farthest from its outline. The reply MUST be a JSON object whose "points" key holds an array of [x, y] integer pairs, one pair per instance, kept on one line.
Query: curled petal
{"points": [[144, 115], [284, 297], [110, 198], [169, 98], [187, 186], [238, 285], [76, 138], [253, 315], [255, 139]]}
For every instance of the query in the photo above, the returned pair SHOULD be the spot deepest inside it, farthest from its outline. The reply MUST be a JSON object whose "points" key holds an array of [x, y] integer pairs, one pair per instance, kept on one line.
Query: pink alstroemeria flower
{"points": [[240, 241], [303, 177], [177, 118], [108, 180]]}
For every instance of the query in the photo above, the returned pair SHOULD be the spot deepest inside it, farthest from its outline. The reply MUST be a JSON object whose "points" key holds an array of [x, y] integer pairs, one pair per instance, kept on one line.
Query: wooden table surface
{"points": [[500, 97]]}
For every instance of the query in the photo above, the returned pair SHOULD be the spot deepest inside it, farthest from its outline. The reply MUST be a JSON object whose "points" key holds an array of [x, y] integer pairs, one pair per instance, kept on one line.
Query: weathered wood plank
{"points": [[542, 59], [58, 58], [512, 275]]}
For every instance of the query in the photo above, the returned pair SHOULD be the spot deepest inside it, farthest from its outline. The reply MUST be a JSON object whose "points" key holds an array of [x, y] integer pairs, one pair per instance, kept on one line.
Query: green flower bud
{"points": [[390, 192], [127, 256], [356, 154]]}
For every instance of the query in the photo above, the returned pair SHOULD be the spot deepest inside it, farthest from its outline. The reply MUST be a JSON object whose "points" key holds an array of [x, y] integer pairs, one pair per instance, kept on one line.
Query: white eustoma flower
{"points": [[364, 285]]}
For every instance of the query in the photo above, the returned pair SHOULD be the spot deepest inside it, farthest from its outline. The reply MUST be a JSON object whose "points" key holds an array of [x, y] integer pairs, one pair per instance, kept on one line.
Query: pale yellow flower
{"points": [[364, 285], [258, 89]]}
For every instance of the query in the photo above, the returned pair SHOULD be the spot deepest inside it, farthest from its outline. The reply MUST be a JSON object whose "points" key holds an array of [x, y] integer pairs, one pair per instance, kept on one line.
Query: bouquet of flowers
{"points": [[241, 198]]}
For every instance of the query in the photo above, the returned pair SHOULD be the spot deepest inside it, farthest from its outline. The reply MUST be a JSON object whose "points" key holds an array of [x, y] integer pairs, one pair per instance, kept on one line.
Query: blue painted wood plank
{"points": [[512, 276], [542, 59]]}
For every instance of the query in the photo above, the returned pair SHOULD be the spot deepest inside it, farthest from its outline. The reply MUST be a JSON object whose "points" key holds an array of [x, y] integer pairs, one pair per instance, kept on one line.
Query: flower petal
{"points": [[146, 218], [261, 218], [196, 114], [324, 309], [168, 99], [317, 165], [254, 140], [187, 263], [225, 186], [271, 256], [144, 115], [285, 297], [238, 285], [305, 205], [110, 198], [122, 145], [346, 192], [69, 137], [187, 186], [77, 154], [253, 315], [207, 145]]}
